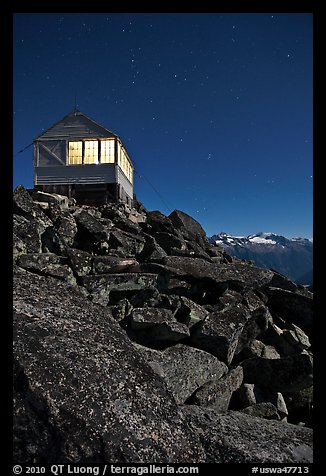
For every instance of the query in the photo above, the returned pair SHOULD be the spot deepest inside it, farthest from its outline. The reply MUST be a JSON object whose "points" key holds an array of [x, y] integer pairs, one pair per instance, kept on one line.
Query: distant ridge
{"points": [[292, 257]]}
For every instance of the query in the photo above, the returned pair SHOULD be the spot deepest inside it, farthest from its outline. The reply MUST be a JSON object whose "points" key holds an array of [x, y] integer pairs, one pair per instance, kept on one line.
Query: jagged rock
{"points": [[286, 341], [101, 285], [18, 246], [218, 392], [120, 219], [130, 245], [237, 275], [152, 250], [239, 438], [121, 310], [60, 200], [255, 325], [188, 226], [287, 374], [249, 394], [38, 261], [152, 326], [219, 333], [254, 299], [23, 205], [159, 222], [90, 227], [167, 241], [66, 228], [51, 242], [291, 306], [47, 264], [80, 261], [190, 313], [84, 393], [184, 368], [256, 348], [296, 338], [262, 410], [111, 264], [27, 235], [149, 297]]}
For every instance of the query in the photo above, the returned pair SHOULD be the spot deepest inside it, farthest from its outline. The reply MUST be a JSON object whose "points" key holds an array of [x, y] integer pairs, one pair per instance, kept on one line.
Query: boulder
{"points": [[249, 394], [256, 348], [100, 285], [287, 374], [262, 410], [158, 222], [60, 200], [23, 205], [148, 297], [128, 244], [89, 227], [27, 235], [155, 326], [238, 276], [81, 262], [240, 438], [286, 341], [189, 312], [47, 264], [188, 226], [121, 310], [83, 394], [254, 326], [184, 368], [167, 241], [119, 218], [111, 264], [292, 306], [217, 393], [152, 250], [219, 334], [66, 228]]}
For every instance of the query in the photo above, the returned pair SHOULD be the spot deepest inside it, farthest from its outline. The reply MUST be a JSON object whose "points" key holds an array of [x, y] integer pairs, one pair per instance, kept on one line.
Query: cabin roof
{"points": [[75, 125]]}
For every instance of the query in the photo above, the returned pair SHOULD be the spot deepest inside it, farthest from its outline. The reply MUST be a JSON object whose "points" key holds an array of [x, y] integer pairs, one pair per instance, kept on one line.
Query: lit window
{"points": [[91, 152], [75, 153], [107, 151]]}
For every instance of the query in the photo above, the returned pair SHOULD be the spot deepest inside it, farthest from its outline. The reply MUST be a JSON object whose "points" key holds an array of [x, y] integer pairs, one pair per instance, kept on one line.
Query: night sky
{"points": [[214, 109]]}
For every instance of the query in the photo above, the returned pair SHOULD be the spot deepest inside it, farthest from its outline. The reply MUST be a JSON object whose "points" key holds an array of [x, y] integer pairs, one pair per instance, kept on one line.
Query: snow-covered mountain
{"points": [[292, 257]]}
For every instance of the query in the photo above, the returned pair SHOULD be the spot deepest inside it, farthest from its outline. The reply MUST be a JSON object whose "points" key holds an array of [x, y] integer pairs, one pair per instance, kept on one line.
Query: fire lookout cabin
{"points": [[83, 160]]}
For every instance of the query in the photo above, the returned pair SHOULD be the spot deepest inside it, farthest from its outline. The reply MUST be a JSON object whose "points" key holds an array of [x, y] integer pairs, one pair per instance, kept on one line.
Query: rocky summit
{"points": [[138, 341]]}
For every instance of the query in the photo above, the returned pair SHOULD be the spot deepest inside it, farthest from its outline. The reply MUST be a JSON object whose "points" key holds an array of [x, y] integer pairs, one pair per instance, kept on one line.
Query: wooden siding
{"points": [[76, 174], [75, 125], [124, 182]]}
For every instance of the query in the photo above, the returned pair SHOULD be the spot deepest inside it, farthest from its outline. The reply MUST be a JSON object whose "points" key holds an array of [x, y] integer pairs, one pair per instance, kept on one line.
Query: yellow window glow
{"points": [[91, 152], [75, 153], [107, 151]]}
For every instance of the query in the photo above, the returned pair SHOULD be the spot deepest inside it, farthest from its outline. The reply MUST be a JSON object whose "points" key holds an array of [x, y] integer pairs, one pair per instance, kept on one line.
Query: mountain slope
{"points": [[291, 257]]}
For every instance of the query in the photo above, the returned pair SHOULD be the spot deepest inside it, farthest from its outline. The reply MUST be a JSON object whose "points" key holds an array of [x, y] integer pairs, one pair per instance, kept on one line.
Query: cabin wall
{"points": [[76, 174], [124, 182]]}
